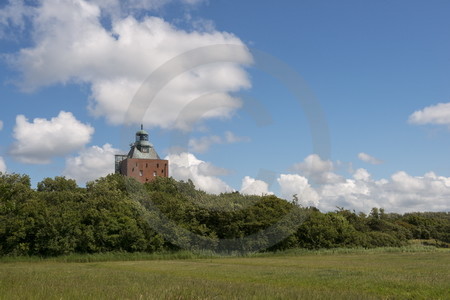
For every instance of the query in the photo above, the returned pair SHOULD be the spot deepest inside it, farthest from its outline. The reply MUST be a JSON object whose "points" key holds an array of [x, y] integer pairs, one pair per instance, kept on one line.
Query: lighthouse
{"points": [[142, 162]]}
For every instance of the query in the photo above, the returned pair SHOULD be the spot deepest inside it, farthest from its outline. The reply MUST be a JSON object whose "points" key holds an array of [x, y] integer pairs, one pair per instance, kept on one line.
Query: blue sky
{"points": [[378, 71]]}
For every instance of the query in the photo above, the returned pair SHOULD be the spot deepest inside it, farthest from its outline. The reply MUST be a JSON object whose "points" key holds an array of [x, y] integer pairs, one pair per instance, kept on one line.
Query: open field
{"points": [[321, 275]]}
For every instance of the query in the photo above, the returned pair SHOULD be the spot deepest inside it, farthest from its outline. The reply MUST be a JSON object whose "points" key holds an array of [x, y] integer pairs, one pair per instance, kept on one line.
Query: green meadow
{"points": [[337, 274]]}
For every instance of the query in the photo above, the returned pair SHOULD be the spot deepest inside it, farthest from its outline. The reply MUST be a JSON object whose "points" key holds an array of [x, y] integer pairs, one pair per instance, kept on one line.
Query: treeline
{"points": [[117, 213]]}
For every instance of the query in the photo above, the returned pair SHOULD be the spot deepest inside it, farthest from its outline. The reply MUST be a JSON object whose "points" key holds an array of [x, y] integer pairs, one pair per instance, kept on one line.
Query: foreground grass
{"points": [[357, 274]]}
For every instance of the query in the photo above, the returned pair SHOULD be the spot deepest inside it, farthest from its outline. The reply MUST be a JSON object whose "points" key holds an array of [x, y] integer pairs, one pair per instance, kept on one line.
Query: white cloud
{"points": [[406, 183], [293, 184], [13, 14], [351, 193], [361, 175], [202, 25], [369, 159], [207, 168], [252, 186], [317, 170], [186, 166], [1, 125], [39, 141], [203, 144], [2, 165], [415, 193], [71, 45], [400, 193], [91, 163], [434, 114]]}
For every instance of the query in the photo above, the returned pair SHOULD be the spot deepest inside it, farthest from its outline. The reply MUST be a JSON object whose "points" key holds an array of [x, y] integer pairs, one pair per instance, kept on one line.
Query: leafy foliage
{"points": [[117, 213]]}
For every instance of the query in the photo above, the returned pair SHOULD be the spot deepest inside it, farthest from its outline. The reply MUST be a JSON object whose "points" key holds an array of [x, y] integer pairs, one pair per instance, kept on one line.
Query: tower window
{"points": [[157, 166], [141, 173], [154, 173]]}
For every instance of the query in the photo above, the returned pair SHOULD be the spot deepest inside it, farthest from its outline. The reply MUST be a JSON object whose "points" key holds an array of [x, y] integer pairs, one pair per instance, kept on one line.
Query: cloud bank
{"points": [[400, 193]]}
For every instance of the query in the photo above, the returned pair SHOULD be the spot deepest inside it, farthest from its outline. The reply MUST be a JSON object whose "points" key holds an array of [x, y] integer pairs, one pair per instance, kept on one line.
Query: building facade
{"points": [[142, 162]]}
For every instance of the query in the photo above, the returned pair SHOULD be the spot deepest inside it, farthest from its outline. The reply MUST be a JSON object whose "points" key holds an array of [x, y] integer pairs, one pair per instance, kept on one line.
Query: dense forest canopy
{"points": [[117, 213]]}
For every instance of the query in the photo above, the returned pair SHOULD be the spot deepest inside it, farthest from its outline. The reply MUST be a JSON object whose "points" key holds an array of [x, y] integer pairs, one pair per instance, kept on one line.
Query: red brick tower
{"points": [[142, 162]]}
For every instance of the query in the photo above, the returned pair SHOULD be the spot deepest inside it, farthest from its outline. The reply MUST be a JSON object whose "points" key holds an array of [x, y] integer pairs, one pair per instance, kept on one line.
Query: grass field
{"points": [[293, 275]]}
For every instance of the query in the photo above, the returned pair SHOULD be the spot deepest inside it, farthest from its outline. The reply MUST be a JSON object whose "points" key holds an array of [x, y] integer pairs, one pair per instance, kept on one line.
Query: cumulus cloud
{"points": [[37, 142], [185, 166], [252, 186], [294, 184], [2, 165], [352, 193], [72, 45], [91, 163], [369, 159], [435, 114], [317, 169], [319, 185], [203, 144], [401, 192]]}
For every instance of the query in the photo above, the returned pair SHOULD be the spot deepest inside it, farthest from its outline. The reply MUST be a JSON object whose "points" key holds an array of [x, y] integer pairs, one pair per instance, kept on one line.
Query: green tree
{"points": [[58, 184]]}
